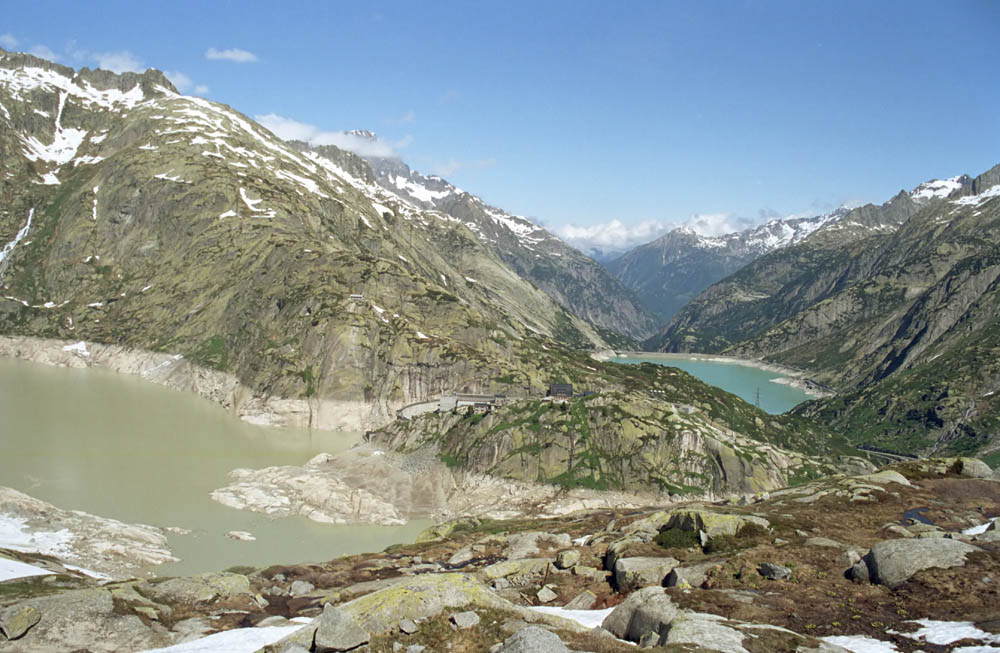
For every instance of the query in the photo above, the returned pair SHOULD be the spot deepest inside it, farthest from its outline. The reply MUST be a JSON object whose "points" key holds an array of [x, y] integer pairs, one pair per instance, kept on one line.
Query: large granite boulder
{"points": [[893, 562], [647, 610]]}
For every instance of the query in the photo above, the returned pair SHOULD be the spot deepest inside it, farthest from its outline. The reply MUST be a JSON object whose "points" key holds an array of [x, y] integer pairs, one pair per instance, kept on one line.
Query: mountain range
{"points": [[671, 270], [894, 306], [137, 216]]}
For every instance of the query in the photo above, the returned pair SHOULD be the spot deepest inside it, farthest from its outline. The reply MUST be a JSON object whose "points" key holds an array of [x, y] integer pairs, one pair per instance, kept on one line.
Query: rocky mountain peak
{"points": [[939, 188]]}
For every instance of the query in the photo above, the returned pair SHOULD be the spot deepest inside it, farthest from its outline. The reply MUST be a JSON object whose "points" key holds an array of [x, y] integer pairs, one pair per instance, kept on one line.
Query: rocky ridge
{"points": [[811, 567], [890, 305], [639, 432]]}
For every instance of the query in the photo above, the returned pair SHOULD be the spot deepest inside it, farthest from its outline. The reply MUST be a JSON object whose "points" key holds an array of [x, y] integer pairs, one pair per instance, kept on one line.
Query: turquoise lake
{"points": [[743, 381]]}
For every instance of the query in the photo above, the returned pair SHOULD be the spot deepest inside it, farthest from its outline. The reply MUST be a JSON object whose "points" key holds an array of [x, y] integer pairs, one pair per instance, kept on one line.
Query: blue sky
{"points": [[615, 118]]}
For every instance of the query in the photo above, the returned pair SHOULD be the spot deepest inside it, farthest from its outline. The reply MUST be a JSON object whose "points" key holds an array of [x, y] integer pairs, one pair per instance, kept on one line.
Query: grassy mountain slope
{"points": [[176, 224]]}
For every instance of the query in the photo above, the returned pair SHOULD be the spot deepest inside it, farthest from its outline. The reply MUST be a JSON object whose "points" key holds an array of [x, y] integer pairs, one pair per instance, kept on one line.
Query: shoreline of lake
{"points": [[793, 378], [178, 373]]}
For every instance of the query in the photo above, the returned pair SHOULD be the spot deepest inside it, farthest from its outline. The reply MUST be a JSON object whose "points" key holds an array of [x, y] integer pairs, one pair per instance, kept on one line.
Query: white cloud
{"points": [[185, 83], [8, 41], [178, 79], [611, 236], [289, 129], [232, 54], [119, 62], [717, 224], [44, 52]]}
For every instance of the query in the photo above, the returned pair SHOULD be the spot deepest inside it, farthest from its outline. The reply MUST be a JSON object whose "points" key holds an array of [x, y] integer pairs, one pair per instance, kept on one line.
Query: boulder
{"points": [[772, 571], [301, 587], [466, 619], [336, 630], [973, 468], [407, 626], [689, 576], [527, 545], [420, 597], [533, 640], [460, 557], [82, 619], [546, 595], [893, 562], [713, 523], [885, 476], [516, 571], [200, 588], [567, 558], [618, 548], [633, 573], [859, 572], [648, 609], [705, 632]]}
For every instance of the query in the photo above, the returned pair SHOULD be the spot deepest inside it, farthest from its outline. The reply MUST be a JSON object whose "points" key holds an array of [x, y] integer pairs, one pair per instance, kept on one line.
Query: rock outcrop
{"points": [[106, 546]]}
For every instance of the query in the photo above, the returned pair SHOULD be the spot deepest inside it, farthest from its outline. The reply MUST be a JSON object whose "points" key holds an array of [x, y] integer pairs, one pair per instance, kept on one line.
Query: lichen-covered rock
{"points": [[336, 631], [633, 573], [645, 610], [517, 571], [199, 588], [706, 632], [526, 545], [567, 558], [418, 598], [17, 619], [689, 575], [83, 619], [973, 468], [533, 640], [893, 562], [714, 523]]}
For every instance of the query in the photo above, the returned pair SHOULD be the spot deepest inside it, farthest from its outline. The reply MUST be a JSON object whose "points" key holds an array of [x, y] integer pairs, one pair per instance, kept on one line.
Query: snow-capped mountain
{"points": [[672, 269]]}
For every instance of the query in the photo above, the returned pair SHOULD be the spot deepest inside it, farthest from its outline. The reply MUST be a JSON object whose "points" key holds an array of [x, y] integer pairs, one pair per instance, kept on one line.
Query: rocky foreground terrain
{"points": [[908, 556]]}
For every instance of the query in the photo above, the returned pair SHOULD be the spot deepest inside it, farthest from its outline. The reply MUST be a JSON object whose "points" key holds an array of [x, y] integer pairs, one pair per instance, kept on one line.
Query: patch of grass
{"points": [[675, 538], [212, 353]]}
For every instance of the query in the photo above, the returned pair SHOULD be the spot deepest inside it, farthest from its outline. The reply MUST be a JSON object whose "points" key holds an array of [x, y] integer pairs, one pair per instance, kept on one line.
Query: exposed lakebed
{"points": [[119, 447]]}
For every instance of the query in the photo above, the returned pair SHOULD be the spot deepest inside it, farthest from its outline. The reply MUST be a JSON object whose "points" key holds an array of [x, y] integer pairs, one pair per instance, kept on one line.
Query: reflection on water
{"points": [[743, 381], [123, 448]]}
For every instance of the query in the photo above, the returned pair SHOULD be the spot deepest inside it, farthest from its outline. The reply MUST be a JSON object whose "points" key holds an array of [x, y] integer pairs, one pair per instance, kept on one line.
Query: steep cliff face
{"points": [[132, 215], [894, 306], [650, 427]]}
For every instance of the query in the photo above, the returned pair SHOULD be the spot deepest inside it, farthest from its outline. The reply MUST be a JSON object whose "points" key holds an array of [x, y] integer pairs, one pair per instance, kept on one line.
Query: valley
{"points": [[247, 324]]}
